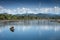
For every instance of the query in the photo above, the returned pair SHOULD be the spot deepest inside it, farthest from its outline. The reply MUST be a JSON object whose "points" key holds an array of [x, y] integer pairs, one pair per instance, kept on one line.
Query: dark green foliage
{"points": [[6, 16]]}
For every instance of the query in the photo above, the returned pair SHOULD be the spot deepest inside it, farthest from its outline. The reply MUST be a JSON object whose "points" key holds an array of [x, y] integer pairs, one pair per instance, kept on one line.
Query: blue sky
{"points": [[19, 3], [29, 3], [31, 6]]}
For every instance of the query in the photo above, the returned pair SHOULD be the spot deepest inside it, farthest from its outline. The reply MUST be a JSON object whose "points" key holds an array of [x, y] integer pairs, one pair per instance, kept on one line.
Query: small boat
{"points": [[12, 29]]}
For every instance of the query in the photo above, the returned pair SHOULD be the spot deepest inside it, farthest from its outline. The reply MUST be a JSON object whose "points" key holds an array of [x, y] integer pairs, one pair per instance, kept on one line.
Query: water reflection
{"points": [[26, 25], [30, 30]]}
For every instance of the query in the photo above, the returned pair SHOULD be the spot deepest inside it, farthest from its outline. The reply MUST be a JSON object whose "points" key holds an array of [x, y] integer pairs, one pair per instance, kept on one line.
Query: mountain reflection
{"points": [[28, 25]]}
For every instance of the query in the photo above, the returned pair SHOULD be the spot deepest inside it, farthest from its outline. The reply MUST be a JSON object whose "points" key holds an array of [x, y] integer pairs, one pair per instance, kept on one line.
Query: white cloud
{"points": [[54, 10]]}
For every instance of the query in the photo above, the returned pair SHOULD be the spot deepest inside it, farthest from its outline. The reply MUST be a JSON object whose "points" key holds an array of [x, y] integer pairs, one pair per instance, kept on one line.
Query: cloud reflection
{"points": [[23, 28], [29, 27], [55, 28], [43, 27], [0, 30]]}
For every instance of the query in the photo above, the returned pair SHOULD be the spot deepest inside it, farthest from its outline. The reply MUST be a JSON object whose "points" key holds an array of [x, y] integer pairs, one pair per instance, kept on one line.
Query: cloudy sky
{"points": [[30, 6]]}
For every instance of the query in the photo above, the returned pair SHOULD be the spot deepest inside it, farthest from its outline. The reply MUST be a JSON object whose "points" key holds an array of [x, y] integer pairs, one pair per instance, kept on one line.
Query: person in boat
{"points": [[12, 29]]}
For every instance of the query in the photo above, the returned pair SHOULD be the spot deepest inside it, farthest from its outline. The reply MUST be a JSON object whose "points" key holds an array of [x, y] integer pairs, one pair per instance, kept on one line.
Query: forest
{"points": [[6, 16]]}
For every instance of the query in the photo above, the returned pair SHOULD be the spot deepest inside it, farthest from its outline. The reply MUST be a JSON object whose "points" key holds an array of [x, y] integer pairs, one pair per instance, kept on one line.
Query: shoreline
{"points": [[52, 20]]}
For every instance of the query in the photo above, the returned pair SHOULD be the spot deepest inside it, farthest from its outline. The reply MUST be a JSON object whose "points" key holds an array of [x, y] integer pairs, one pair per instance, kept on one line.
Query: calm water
{"points": [[30, 30]]}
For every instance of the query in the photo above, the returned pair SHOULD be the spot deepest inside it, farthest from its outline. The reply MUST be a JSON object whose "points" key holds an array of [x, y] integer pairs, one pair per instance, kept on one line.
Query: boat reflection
{"points": [[12, 29]]}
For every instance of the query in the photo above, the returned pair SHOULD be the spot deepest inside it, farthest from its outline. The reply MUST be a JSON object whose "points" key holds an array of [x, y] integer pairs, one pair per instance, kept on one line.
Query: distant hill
{"points": [[41, 15], [6, 16]]}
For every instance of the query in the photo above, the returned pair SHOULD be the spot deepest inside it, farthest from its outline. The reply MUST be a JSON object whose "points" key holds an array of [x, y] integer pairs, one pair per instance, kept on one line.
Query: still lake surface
{"points": [[30, 30]]}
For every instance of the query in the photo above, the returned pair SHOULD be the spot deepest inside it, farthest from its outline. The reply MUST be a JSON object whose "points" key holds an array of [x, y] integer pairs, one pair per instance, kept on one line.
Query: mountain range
{"points": [[41, 15]]}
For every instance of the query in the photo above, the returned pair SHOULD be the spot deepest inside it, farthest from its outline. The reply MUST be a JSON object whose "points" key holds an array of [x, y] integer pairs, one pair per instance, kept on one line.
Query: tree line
{"points": [[6, 16]]}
